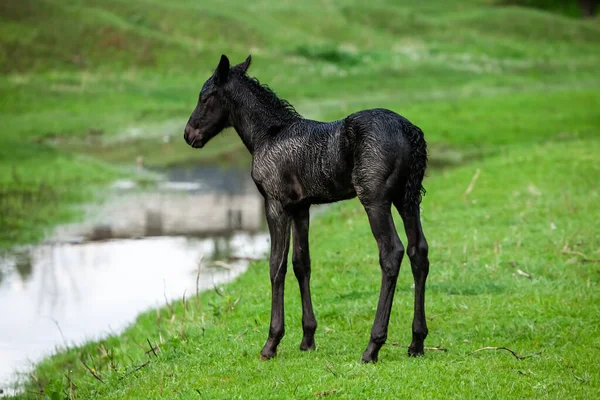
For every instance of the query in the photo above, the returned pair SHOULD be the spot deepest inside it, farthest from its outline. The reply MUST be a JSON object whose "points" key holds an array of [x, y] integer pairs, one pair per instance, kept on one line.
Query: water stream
{"points": [[133, 251]]}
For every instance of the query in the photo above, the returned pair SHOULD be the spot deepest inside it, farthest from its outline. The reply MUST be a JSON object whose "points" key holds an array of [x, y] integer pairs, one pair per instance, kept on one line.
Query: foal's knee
{"points": [[390, 262], [418, 250], [301, 266], [278, 270], [418, 255]]}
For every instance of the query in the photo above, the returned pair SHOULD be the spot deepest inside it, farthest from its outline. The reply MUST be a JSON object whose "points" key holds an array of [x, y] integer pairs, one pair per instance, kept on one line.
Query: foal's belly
{"points": [[331, 197], [306, 185], [327, 189]]}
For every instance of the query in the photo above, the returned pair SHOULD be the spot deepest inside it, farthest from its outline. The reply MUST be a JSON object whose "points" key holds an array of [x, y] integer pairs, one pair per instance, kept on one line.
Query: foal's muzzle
{"points": [[193, 137]]}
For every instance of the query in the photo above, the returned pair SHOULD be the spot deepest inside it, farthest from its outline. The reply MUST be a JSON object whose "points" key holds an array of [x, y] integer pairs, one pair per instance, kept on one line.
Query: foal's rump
{"points": [[390, 158]]}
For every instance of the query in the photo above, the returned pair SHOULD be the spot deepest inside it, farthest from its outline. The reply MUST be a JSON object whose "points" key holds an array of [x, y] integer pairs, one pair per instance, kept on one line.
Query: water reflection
{"points": [[138, 248], [199, 201]]}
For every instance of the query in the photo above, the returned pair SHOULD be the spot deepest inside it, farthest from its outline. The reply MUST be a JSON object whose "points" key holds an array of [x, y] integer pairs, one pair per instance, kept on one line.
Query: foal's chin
{"points": [[196, 143], [200, 140]]}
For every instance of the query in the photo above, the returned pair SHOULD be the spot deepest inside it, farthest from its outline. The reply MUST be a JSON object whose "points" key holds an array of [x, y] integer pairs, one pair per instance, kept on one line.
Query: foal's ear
{"points": [[222, 71], [243, 67]]}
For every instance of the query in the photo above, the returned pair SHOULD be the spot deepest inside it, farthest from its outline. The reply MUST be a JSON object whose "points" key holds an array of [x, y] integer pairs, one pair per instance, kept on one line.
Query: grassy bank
{"points": [[40, 187], [514, 264], [90, 86], [117, 79]]}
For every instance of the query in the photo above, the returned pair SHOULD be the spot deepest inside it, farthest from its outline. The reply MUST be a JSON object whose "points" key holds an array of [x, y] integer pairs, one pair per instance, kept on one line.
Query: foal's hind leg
{"points": [[419, 262], [391, 252], [301, 263]]}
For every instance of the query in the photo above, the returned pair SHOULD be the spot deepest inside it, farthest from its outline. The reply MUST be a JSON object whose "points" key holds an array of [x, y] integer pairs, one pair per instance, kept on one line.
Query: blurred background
{"points": [[89, 87], [95, 96]]}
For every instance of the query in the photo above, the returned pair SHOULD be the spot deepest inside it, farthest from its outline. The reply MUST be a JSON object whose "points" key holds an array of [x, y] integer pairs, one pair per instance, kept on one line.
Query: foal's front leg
{"points": [[301, 262], [279, 230]]}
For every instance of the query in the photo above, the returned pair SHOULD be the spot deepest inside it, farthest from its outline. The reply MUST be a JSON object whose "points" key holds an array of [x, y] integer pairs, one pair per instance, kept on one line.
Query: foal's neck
{"points": [[257, 114]]}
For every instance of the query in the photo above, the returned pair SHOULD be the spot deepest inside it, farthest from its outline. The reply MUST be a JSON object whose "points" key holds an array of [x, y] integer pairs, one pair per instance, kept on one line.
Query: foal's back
{"points": [[321, 162]]}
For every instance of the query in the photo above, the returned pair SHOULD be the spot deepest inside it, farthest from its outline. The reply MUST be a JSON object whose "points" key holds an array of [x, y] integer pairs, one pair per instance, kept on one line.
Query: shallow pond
{"points": [[133, 251]]}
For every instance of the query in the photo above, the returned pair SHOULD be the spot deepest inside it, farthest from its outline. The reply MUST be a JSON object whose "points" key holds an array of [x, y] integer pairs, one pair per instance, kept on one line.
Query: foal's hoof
{"points": [[368, 357], [415, 350], [266, 354], [307, 344], [371, 353], [265, 357]]}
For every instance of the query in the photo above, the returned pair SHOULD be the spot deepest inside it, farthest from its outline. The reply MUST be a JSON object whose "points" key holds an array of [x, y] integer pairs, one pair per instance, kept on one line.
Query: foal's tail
{"points": [[414, 189]]}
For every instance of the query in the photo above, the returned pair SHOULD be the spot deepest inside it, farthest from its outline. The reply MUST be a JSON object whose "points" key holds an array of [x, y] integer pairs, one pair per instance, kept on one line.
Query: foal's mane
{"points": [[277, 106]]}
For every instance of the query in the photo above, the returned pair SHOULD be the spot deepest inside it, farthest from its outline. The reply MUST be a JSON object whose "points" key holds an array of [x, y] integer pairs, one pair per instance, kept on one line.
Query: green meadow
{"points": [[508, 98]]}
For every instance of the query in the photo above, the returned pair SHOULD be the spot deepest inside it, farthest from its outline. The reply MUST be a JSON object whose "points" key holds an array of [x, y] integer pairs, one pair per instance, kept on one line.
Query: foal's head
{"points": [[211, 114]]}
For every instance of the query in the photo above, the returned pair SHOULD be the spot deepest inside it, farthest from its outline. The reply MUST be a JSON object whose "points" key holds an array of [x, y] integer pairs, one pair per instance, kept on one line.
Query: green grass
{"points": [[40, 187], [115, 80], [88, 86], [538, 220], [306, 53], [569, 8]]}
